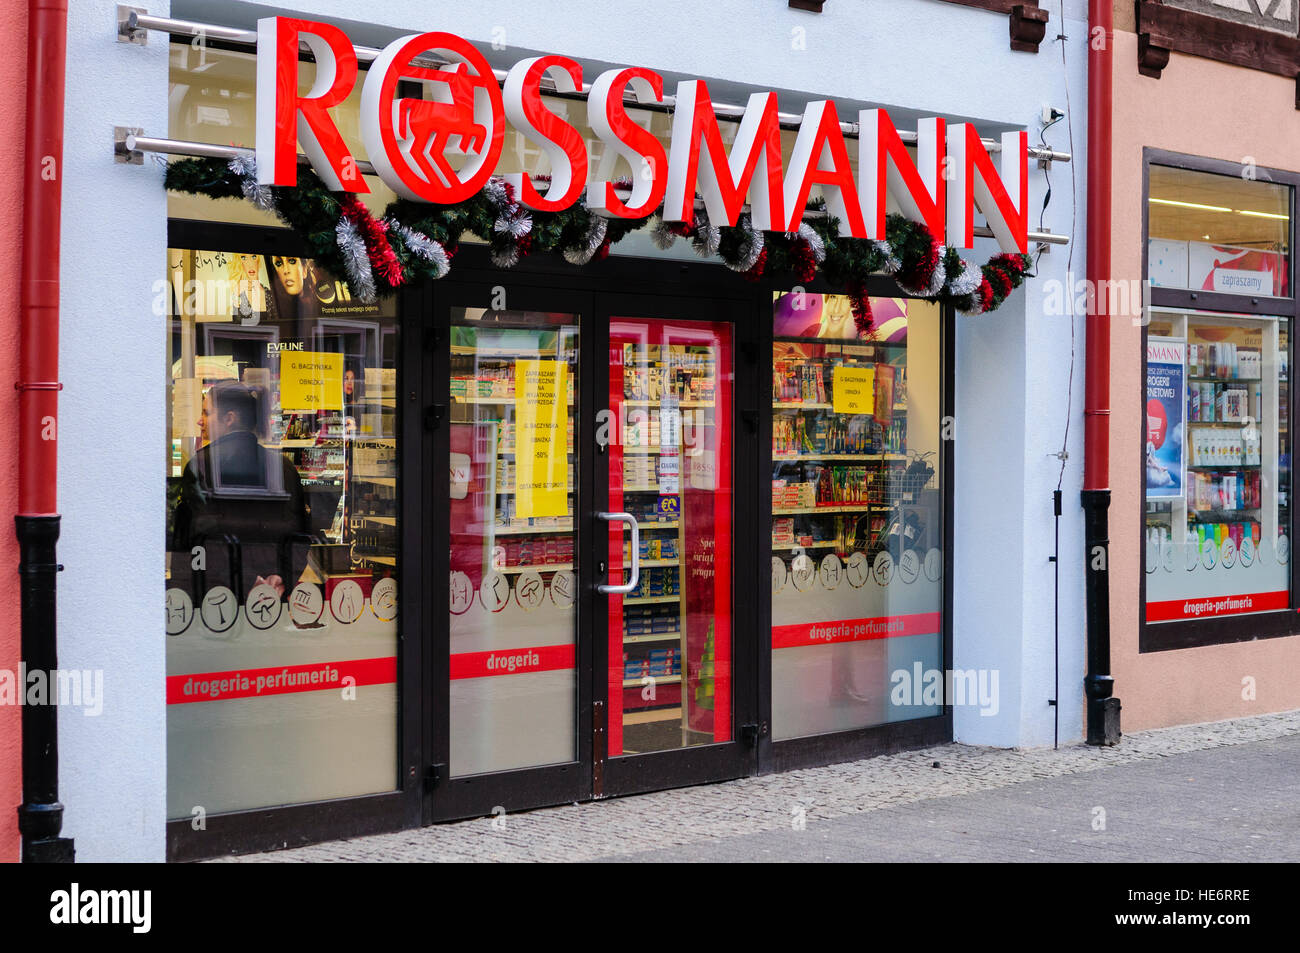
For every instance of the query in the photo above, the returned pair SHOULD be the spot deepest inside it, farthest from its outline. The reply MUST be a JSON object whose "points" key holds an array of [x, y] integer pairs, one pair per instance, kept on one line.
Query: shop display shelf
{"points": [[385, 520], [382, 560], [864, 457], [798, 405], [655, 563], [835, 508], [506, 400], [653, 637], [470, 350], [654, 525], [529, 530], [627, 449], [1224, 380], [659, 680], [818, 544], [640, 717], [1224, 466], [650, 600], [510, 491], [377, 480], [536, 567], [1219, 423], [637, 402]]}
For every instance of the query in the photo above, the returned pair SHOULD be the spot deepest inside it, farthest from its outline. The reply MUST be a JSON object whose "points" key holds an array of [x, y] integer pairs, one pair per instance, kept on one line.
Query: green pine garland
{"points": [[911, 254]]}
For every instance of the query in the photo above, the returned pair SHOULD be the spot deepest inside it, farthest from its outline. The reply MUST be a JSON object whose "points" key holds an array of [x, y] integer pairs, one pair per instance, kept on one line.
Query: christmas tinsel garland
{"points": [[415, 240]]}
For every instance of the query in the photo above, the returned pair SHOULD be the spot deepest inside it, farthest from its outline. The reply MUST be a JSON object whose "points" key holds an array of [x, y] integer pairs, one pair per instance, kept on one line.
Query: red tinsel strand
{"points": [[998, 277], [603, 251], [1013, 265], [374, 234], [985, 293], [804, 263], [917, 275], [756, 271], [525, 245], [860, 305]]}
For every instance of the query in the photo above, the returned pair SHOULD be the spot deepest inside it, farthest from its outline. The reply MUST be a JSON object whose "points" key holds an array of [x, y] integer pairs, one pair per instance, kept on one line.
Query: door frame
{"points": [[699, 764], [447, 797]]}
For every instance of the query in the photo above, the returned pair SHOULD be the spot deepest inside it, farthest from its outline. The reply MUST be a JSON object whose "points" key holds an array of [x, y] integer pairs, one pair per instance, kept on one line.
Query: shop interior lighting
{"points": [[1220, 208]]}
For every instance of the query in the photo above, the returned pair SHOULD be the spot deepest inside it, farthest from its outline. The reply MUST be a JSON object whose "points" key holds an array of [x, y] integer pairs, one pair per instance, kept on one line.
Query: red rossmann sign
{"points": [[407, 141]]}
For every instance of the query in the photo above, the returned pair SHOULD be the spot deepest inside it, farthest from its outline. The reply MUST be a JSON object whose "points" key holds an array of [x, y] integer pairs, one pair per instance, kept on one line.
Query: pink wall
{"points": [[13, 26], [1203, 108]]}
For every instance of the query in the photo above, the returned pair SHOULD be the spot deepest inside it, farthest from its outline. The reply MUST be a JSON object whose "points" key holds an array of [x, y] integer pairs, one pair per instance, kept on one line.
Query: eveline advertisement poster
{"points": [[1166, 398]]}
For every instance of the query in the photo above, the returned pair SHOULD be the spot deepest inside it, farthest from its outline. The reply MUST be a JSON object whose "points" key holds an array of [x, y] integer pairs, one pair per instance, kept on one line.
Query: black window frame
{"points": [[1223, 630]]}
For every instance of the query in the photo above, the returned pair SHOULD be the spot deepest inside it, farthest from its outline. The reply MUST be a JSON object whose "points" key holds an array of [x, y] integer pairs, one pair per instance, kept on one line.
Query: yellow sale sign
{"points": [[310, 381], [853, 390], [541, 441]]}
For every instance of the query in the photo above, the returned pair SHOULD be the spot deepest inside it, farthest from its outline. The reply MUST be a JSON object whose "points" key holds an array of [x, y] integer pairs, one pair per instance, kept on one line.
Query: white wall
{"points": [[916, 56], [112, 767]]}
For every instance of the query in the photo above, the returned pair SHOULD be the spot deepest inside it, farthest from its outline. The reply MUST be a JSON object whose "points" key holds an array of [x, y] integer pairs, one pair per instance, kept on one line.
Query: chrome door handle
{"points": [[628, 586]]}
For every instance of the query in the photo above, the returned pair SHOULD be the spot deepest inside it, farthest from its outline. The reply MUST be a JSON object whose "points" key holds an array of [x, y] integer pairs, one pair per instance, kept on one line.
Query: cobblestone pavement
{"points": [[653, 825]]}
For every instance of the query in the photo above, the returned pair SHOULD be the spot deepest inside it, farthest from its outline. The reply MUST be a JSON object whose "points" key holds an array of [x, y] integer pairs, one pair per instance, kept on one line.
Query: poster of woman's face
{"points": [[291, 273]]}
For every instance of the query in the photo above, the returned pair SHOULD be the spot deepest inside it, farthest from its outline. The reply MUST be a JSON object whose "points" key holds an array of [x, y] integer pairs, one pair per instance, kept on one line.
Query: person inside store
{"points": [[240, 500]]}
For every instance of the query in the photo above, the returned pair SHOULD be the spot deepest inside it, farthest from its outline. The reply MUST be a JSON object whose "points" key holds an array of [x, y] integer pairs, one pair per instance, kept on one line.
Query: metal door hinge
{"points": [[749, 734], [433, 774], [433, 415]]}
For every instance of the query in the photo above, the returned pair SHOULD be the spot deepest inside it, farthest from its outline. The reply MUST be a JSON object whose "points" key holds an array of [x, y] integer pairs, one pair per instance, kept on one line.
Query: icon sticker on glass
{"points": [[262, 606], [306, 605], [219, 609], [383, 599], [180, 611], [563, 588]]}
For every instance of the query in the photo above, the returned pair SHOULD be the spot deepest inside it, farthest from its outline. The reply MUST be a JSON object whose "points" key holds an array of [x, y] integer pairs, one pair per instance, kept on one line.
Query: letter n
{"points": [[978, 183], [885, 169]]}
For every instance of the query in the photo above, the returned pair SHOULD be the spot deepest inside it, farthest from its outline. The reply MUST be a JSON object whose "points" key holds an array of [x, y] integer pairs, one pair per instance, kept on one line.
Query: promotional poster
{"points": [[1165, 400]]}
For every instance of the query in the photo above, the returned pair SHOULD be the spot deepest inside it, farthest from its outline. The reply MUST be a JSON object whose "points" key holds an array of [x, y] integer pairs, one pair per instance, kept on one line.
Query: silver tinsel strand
{"points": [[809, 234], [360, 278], [516, 224], [751, 246], [260, 195], [707, 236], [892, 263], [662, 236], [422, 246], [967, 282], [937, 281], [506, 256], [597, 227]]}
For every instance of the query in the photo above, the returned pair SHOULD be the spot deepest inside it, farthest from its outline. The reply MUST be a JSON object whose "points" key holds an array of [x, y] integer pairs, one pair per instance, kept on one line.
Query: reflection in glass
{"points": [[856, 515]]}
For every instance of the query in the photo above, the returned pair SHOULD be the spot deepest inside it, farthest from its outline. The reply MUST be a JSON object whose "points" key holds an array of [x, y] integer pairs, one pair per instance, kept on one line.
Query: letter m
{"points": [[724, 181], [886, 170], [977, 182]]}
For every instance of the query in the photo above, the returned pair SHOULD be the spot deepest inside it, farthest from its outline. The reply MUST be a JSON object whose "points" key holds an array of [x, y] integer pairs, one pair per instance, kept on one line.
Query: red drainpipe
{"points": [[40, 816], [1102, 708]]}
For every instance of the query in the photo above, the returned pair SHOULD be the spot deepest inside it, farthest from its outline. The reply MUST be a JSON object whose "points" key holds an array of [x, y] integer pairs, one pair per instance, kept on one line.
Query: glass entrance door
{"points": [[511, 713], [669, 595]]}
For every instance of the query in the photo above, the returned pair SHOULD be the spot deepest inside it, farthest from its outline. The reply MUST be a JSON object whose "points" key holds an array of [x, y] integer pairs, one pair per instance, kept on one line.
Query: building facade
{"points": [[803, 571], [1202, 593]]}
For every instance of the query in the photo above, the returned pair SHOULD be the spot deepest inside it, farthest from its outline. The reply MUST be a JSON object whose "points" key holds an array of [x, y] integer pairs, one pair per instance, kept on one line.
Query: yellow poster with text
{"points": [[853, 390], [310, 381], [541, 441]]}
